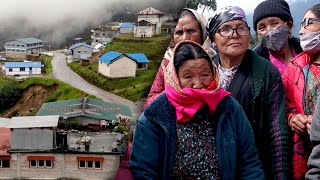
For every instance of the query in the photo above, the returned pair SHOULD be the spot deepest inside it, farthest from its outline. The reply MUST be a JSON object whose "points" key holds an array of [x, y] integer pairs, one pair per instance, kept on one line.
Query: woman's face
{"points": [[195, 74], [235, 44], [310, 23], [270, 23], [187, 29]]}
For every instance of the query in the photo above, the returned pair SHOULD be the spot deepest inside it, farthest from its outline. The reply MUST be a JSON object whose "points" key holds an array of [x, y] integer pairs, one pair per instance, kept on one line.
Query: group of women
{"points": [[219, 110]]}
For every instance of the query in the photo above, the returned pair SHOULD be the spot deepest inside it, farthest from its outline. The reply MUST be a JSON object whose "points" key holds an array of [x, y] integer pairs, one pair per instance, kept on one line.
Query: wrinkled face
{"points": [[310, 23], [195, 74], [235, 44], [187, 29], [270, 23]]}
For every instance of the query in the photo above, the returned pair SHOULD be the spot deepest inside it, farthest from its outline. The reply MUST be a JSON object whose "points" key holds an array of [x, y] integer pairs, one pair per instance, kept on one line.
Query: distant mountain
{"points": [[297, 9]]}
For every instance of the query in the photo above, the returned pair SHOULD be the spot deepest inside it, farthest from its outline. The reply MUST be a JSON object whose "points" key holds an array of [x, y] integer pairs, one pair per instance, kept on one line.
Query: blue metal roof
{"points": [[109, 56], [127, 25], [81, 44], [22, 64], [112, 56], [139, 57]]}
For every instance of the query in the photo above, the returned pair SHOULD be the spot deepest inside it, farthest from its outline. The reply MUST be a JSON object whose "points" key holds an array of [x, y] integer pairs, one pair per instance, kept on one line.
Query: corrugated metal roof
{"points": [[84, 107], [112, 56], [127, 25], [4, 140], [30, 40], [139, 57], [150, 11], [81, 44], [22, 64], [109, 56], [31, 121]]}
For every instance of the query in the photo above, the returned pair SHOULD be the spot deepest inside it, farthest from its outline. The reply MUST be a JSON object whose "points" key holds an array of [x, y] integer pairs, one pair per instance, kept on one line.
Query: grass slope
{"points": [[133, 88]]}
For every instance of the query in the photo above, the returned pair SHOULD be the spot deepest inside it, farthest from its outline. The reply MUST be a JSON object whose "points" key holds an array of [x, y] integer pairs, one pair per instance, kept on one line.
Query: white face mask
{"points": [[310, 42]]}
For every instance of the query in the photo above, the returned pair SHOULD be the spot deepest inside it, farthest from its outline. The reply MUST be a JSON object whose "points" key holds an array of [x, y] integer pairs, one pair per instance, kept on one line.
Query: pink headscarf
{"points": [[188, 101]]}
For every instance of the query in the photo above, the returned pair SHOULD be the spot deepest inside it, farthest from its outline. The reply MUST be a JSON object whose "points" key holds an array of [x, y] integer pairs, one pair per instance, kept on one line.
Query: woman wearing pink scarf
{"points": [[195, 129]]}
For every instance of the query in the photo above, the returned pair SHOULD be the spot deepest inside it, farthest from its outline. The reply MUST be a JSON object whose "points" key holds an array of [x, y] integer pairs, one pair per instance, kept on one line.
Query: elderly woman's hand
{"points": [[298, 123]]}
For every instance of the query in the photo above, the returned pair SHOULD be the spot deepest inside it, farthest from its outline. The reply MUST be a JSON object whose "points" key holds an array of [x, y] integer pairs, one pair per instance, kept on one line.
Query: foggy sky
{"points": [[55, 20]]}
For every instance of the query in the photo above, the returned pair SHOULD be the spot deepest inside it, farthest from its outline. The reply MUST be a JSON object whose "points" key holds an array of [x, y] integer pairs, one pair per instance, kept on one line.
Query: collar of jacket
{"points": [[301, 60], [259, 69]]}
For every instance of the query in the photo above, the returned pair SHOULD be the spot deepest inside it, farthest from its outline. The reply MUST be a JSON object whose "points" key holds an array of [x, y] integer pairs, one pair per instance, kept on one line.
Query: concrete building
{"points": [[153, 16], [67, 139], [22, 68], [21, 48], [81, 51], [117, 65], [144, 28], [104, 34]]}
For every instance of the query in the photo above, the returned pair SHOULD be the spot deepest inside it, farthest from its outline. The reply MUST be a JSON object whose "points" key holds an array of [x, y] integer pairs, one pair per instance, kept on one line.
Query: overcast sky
{"points": [[247, 5]]}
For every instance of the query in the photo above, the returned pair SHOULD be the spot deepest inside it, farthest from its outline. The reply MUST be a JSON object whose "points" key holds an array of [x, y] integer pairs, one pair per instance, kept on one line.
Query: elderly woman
{"points": [[273, 24], [302, 84], [191, 26], [257, 85], [195, 130]]}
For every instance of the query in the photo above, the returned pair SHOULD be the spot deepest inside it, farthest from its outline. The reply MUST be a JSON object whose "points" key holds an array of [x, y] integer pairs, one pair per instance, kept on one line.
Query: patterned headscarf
{"points": [[223, 15], [187, 101]]}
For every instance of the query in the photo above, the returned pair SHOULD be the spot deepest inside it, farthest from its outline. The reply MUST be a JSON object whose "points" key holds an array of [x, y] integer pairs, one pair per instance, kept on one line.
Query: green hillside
{"points": [[133, 88]]}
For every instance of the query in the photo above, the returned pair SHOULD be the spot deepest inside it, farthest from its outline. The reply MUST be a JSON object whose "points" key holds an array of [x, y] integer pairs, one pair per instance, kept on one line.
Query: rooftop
{"points": [[127, 25], [22, 64], [150, 11], [30, 40], [81, 44], [84, 107], [30, 122], [112, 56]]}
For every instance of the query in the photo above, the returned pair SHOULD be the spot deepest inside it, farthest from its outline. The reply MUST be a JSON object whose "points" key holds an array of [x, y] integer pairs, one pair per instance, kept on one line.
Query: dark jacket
{"points": [[257, 85], [294, 43], [154, 143]]}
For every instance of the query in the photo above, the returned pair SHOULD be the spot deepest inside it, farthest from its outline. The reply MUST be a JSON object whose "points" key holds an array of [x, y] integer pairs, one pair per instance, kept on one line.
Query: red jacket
{"points": [[294, 84]]}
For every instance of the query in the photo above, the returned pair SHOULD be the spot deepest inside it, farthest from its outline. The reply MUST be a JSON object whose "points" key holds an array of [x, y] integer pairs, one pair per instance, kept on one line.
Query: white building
{"points": [[104, 34], [117, 65], [81, 51], [145, 28], [153, 16], [21, 48], [22, 68]]}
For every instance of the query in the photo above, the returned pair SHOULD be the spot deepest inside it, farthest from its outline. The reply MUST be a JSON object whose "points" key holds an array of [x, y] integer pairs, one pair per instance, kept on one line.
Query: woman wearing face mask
{"points": [[273, 23], [257, 85], [302, 85], [191, 26]]}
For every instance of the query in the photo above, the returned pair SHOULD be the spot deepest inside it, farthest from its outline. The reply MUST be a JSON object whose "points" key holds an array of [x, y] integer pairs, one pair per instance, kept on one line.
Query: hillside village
{"points": [[84, 135]]}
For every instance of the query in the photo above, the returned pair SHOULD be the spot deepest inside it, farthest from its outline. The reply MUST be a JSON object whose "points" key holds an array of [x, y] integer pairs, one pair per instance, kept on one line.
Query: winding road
{"points": [[63, 73]]}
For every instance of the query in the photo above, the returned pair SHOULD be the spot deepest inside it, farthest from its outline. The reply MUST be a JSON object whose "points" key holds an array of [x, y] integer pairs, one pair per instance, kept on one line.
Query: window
{"points": [[18, 45], [5, 162], [85, 51], [22, 45], [40, 161], [18, 50], [79, 51], [90, 162], [8, 49], [22, 69], [22, 50], [13, 44], [143, 30], [8, 44]]}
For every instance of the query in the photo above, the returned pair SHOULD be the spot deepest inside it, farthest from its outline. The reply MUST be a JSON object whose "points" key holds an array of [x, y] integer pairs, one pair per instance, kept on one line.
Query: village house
{"points": [[152, 16], [117, 65], [104, 34], [22, 68], [126, 27], [144, 28], [67, 139], [21, 48], [81, 51]]}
